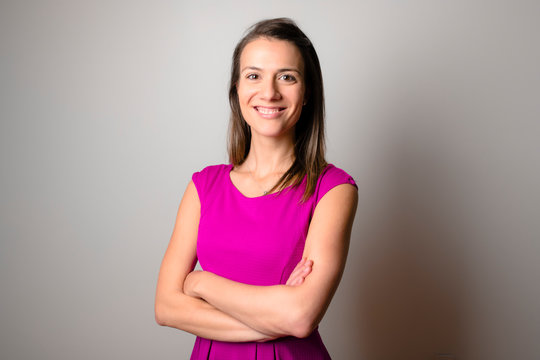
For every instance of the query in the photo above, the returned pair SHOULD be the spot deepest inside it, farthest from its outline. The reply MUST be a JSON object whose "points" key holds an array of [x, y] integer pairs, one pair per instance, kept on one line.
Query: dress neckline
{"points": [[229, 170]]}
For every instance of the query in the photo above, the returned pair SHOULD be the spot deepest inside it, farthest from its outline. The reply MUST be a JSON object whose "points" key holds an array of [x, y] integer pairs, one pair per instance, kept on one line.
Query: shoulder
{"points": [[333, 173], [205, 178], [331, 177], [212, 171]]}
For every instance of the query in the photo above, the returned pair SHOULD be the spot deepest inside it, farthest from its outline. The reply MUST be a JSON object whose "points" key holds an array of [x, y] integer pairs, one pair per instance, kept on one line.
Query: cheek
{"points": [[296, 94], [297, 98], [244, 94], [244, 97]]}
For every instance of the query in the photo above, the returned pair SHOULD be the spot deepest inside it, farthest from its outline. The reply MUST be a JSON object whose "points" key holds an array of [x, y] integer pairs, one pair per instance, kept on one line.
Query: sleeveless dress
{"points": [[256, 241]]}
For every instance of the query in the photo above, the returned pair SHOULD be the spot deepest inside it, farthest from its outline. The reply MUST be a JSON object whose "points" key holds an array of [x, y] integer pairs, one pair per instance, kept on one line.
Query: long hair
{"points": [[309, 143]]}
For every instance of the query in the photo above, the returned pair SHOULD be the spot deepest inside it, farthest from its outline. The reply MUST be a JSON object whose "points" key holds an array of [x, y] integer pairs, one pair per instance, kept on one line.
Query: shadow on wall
{"points": [[406, 262]]}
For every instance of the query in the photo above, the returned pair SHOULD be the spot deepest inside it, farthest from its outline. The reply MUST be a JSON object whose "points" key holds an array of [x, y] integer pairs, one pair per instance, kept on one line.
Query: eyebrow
{"points": [[279, 70]]}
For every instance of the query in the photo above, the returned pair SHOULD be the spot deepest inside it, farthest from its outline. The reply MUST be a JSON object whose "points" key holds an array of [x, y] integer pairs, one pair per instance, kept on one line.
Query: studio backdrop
{"points": [[108, 107]]}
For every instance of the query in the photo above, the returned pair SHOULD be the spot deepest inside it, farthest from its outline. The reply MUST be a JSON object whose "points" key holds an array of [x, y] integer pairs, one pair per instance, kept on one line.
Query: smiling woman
{"points": [[271, 229]]}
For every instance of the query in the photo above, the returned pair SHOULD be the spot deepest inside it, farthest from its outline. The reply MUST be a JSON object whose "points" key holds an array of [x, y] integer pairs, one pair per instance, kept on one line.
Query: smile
{"points": [[268, 110]]}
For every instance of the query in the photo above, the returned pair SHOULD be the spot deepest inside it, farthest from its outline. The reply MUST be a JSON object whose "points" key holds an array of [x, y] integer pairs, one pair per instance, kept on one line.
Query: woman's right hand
{"points": [[300, 272]]}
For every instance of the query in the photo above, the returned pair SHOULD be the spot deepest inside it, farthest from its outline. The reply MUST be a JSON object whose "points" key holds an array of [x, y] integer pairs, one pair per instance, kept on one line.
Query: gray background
{"points": [[108, 107]]}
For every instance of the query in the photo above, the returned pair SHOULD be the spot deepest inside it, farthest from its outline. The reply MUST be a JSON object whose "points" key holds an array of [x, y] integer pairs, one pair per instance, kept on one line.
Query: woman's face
{"points": [[271, 86]]}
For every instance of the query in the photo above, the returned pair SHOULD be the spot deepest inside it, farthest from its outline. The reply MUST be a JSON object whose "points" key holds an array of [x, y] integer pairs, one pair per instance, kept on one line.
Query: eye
{"points": [[287, 77], [252, 76]]}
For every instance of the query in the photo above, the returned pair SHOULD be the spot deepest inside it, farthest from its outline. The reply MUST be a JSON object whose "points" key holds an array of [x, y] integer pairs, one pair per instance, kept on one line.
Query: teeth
{"points": [[267, 111]]}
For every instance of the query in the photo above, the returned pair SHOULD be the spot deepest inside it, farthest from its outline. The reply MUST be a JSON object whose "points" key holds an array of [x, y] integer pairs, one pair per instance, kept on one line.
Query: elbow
{"points": [[171, 310], [302, 329], [160, 320], [301, 324], [160, 314]]}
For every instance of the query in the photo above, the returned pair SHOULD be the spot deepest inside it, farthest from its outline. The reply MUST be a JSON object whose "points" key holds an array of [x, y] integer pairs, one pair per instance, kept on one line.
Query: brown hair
{"points": [[309, 146]]}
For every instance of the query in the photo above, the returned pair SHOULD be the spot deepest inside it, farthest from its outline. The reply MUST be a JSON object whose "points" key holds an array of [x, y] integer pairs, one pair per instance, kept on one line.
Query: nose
{"points": [[269, 90]]}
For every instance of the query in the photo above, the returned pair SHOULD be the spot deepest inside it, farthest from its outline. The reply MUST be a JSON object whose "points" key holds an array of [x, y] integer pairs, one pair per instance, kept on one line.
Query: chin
{"points": [[271, 131]]}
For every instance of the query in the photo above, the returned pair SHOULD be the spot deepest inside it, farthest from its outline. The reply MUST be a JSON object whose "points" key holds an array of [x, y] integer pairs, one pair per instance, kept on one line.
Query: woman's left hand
{"points": [[300, 272]]}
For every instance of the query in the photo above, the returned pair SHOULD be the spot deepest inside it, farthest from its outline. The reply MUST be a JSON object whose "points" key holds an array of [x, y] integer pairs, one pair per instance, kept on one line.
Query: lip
{"points": [[269, 112]]}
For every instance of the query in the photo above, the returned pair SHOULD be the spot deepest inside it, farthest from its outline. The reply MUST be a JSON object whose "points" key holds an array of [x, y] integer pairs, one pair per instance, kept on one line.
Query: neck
{"points": [[269, 156]]}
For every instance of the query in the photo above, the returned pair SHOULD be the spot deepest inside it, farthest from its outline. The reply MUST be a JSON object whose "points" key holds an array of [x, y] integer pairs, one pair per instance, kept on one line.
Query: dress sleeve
{"points": [[198, 181], [329, 179], [208, 181]]}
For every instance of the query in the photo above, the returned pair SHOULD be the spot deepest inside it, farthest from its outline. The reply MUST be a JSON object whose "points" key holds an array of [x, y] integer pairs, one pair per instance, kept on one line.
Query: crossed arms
{"points": [[216, 308]]}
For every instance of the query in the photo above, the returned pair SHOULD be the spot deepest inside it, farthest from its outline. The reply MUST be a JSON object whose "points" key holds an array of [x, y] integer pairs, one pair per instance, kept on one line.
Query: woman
{"points": [[271, 229]]}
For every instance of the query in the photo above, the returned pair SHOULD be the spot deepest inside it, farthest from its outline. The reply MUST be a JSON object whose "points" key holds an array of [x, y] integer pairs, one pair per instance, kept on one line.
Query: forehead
{"points": [[266, 53]]}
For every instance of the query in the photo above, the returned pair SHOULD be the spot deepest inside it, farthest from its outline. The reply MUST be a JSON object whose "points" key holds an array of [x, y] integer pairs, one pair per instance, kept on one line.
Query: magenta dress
{"points": [[256, 241]]}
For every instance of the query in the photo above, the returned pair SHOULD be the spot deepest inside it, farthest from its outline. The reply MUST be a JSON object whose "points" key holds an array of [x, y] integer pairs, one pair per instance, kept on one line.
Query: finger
{"points": [[294, 276], [305, 271], [296, 281], [301, 268], [299, 277], [296, 271], [301, 263]]}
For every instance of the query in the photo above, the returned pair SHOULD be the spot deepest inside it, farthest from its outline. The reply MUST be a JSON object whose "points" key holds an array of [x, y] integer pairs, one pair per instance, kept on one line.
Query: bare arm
{"points": [[174, 308], [291, 310]]}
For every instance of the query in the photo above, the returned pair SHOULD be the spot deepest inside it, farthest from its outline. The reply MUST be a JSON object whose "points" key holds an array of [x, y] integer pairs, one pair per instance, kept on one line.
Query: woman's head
{"points": [[309, 129]]}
